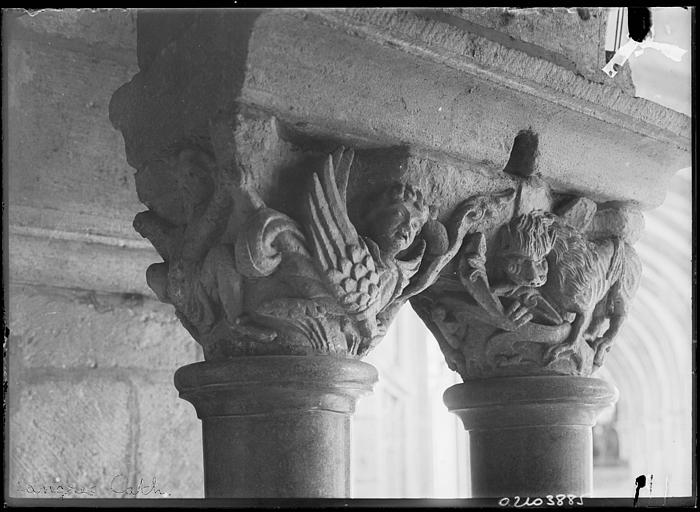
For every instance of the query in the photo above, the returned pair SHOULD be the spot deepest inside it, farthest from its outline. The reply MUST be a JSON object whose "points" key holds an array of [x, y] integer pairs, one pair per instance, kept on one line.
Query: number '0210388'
{"points": [[550, 500]]}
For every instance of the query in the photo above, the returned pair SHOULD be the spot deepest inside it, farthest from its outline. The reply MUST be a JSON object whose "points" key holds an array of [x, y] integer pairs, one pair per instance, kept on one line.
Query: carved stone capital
{"points": [[285, 251], [543, 290], [267, 252], [305, 273]]}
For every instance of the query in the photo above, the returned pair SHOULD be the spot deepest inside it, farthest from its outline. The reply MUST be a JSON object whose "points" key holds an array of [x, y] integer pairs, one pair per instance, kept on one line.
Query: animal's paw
{"points": [[555, 352], [518, 314], [602, 346]]}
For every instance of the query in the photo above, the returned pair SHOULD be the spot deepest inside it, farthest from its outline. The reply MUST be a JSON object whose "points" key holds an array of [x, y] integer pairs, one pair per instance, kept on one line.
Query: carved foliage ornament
{"points": [[291, 286]]}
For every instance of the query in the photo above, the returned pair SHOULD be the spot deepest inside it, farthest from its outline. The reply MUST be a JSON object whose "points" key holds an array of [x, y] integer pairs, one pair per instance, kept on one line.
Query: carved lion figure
{"points": [[520, 254], [594, 280]]}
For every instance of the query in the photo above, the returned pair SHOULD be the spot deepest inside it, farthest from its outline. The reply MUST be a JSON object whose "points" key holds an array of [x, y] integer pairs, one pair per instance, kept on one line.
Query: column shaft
{"points": [[292, 454], [530, 436], [531, 461]]}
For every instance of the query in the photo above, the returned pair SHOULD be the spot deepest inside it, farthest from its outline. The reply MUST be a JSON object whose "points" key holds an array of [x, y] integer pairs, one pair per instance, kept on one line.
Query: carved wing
{"points": [[339, 252]]}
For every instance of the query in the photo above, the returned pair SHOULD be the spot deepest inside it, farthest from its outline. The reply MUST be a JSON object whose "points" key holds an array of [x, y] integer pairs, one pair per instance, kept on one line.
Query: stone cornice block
{"points": [[392, 77], [70, 259]]}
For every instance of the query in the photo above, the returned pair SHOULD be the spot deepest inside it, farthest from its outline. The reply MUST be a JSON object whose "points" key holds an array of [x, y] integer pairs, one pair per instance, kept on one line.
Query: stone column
{"points": [[532, 307], [308, 172], [278, 260], [530, 436]]}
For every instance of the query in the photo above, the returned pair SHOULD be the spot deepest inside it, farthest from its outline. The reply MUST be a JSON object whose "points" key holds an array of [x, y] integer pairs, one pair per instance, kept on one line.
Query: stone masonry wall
{"points": [[91, 352]]}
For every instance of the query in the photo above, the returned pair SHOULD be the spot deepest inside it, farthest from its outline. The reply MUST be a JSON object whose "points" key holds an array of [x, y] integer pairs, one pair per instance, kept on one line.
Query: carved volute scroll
{"points": [[543, 292]]}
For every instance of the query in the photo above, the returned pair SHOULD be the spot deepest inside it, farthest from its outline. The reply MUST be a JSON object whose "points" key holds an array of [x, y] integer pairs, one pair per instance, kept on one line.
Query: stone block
{"points": [[50, 258], [60, 145], [55, 328], [569, 37], [158, 28], [95, 27], [170, 440], [578, 212], [71, 430], [627, 223], [375, 79], [63, 66]]}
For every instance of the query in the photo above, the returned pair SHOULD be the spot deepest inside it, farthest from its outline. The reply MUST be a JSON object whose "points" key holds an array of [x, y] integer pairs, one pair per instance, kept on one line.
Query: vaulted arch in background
{"points": [[651, 362]]}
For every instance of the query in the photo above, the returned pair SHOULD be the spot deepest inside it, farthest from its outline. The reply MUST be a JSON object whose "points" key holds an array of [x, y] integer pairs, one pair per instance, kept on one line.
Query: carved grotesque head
{"points": [[396, 217], [522, 247]]}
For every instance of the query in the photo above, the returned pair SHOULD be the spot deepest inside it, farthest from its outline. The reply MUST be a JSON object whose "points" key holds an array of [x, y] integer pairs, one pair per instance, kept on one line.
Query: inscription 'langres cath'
{"points": [[294, 286]]}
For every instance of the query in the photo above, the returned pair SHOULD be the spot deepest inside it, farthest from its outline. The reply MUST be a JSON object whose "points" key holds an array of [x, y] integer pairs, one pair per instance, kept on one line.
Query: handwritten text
{"points": [[550, 500]]}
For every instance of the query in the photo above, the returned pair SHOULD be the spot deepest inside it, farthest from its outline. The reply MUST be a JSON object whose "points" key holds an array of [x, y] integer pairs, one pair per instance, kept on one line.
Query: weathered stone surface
{"points": [[66, 259], [65, 229], [264, 251], [52, 328], [158, 28], [170, 440], [573, 38], [467, 47], [66, 430], [375, 106], [73, 412], [535, 194], [105, 28], [627, 223], [595, 151], [214, 259], [578, 212], [55, 101]]}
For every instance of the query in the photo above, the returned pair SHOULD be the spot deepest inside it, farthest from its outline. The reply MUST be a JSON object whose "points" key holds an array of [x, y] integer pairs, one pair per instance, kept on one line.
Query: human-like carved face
{"points": [[395, 227], [522, 248], [524, 270]]}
